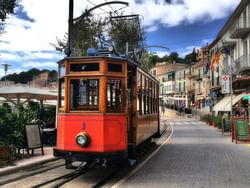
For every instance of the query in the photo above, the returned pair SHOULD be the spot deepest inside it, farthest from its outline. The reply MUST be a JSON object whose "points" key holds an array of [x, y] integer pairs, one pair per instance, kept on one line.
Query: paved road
{"points": [[195, 156]]}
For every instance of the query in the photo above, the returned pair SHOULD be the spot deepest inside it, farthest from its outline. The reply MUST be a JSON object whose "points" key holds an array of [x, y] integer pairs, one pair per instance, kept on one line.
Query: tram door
{"points": [[131, 101]]}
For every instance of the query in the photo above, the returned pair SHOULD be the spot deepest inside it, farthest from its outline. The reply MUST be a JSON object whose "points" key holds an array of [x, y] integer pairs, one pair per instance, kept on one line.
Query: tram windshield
{"points": [[84, 94]]}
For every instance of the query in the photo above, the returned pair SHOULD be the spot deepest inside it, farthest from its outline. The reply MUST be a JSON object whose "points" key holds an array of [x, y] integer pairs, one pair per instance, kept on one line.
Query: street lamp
{"points": [[6, 66]]}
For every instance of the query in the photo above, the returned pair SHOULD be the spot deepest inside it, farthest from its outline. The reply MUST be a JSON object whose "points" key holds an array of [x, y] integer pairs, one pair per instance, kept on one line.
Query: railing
{"points": [[240, 28], [242, 63]]}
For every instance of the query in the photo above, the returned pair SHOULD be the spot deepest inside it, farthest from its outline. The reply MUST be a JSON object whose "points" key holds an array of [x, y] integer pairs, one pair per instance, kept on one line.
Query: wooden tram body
{"points": [[107, 107]]}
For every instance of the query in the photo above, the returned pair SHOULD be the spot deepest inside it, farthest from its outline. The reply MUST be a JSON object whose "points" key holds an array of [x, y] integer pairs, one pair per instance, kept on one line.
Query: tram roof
{"points": [[94, 57], [130, 61]]}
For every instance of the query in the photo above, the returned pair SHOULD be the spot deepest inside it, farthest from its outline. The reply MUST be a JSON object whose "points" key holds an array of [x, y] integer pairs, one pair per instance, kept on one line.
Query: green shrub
{"points": [[12, 124], [205, 118]]}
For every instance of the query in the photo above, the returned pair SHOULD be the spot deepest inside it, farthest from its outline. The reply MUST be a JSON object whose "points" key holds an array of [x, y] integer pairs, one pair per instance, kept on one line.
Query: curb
{"points": [[12, 169]]}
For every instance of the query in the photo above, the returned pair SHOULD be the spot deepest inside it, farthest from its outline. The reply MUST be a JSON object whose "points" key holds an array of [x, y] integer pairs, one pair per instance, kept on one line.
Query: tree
{"points": [[85, 34], [6, 8], [25, 77], [189, 58], [174, 57], [126, 29]]}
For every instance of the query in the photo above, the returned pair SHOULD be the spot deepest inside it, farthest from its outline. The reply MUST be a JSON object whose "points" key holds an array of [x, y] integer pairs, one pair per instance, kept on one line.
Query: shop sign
{"points": [[241, 129], [225, 86]]}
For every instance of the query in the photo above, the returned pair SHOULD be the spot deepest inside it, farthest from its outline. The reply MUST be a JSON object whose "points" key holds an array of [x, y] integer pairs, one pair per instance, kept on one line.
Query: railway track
{"points": [[55, 175]]}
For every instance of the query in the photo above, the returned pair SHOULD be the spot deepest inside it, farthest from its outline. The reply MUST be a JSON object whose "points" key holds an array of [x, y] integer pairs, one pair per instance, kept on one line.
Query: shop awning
{"points": [[220, 106], [224, 105], [235, 100], [246, 97]]}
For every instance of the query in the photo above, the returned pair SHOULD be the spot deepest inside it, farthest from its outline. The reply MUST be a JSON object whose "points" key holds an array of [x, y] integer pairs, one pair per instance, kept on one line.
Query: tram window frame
{"points": [[139, 93], [115, 67], [117, 107], [90, 101], [150, 97], [84, 66], [143, 95], [61, 94], [62, 70]]}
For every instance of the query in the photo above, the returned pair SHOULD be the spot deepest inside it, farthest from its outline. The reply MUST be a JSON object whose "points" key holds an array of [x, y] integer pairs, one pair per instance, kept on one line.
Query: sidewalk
{"points": [[173, 114], [33, 160]]}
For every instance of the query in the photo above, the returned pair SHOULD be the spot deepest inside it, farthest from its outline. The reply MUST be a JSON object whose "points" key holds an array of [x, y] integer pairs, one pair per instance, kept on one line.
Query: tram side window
{"points": [[114, 95], [84, 94], [61, 94], [139, 88], [143, 94]]}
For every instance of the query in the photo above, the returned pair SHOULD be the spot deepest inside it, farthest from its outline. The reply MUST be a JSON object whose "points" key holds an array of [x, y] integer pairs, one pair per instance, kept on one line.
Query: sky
{"points": [[180, 25]]}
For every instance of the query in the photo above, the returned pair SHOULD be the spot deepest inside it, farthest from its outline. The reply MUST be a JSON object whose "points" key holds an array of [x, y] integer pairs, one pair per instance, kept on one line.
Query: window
{"points": [[61, 70], [114, 95], [113, 67], [84, 94], [139, 98], [82, 67], [61, 94], [154, 72]]}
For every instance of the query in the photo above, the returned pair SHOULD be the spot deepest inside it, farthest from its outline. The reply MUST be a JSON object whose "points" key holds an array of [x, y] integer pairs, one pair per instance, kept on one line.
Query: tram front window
{"points": [[114, 95], [84, 94]]}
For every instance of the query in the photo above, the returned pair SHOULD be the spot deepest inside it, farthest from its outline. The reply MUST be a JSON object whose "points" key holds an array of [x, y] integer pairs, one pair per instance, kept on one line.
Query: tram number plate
{"points": [[83, 125]]}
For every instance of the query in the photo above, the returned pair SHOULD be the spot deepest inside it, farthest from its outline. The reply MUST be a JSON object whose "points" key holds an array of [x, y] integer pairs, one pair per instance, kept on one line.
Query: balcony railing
{"points": [[241, 64], [240, 28]]}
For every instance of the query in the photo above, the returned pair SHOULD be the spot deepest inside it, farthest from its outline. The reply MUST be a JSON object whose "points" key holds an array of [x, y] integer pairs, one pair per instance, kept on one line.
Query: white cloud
{"points": [[9, 57], [161, 53], [186, 11], [188, 50], [151, 28], [43, 65], [22, 56], [10, 71]]}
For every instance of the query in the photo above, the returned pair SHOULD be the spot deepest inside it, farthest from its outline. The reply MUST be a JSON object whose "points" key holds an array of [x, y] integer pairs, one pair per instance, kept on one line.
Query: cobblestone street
{"points": [[195, 156]]}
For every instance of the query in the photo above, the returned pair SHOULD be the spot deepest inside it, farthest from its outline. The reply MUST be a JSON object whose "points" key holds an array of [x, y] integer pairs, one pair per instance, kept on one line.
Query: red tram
{"points": [[107, 107]]}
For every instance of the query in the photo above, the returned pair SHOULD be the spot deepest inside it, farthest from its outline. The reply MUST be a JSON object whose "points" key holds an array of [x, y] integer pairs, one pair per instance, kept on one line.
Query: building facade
{"points": [[233, 45]]}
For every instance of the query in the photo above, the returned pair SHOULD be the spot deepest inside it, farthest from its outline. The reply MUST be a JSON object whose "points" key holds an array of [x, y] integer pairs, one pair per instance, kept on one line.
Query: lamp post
{"points": [[6, 66]]}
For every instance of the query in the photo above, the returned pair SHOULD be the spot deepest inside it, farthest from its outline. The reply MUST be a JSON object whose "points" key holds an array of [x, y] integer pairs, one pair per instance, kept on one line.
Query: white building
{"points": [[233, 41]]}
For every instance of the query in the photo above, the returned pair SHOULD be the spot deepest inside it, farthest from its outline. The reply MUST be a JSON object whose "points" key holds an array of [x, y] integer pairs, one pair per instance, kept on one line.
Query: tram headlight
{"points": [[82, 139]]}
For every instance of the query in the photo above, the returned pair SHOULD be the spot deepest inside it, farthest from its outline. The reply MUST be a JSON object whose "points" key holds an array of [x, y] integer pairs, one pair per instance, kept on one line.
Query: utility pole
{"points": [[231, 82], [6, 66]]}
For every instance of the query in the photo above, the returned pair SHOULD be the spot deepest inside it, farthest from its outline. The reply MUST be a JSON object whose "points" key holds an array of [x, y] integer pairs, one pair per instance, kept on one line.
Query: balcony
{"points": [[241, 64], [240, 28]]}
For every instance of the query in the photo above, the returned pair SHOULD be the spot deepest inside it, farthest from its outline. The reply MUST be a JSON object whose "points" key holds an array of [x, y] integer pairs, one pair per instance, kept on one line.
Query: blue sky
{"points": [[181, 25]]}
